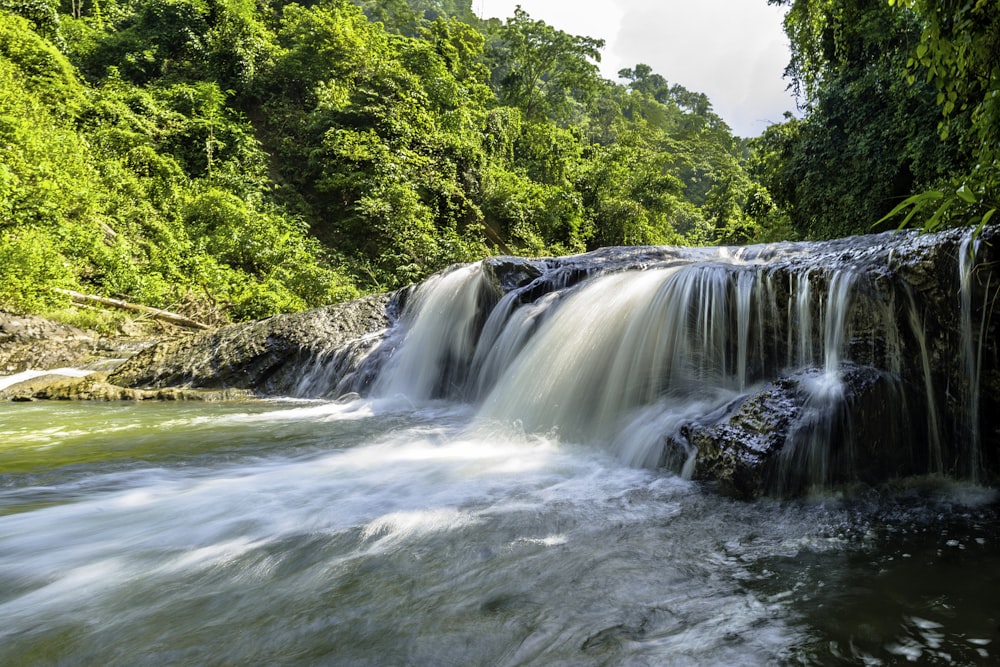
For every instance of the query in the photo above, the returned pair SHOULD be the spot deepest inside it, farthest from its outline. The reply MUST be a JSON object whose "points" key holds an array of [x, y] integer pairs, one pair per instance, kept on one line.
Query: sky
{"points": [[734, 51]]}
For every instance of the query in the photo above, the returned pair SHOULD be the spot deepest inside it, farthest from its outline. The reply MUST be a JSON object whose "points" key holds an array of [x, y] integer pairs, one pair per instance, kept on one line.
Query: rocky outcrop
{"points": [[271, 356], [791, 434], [28, 341]]}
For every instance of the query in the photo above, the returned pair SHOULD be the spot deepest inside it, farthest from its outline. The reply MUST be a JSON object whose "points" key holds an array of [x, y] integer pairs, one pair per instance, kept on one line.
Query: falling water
{"points": [[935, 448], [629, 358], [808, 448], [971, 353], [802, 323], [837, 309], [437, 337], [744, 292]]}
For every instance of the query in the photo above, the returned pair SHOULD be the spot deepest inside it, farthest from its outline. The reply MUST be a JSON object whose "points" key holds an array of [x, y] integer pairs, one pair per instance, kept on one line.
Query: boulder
{"points": [[804, 429]]}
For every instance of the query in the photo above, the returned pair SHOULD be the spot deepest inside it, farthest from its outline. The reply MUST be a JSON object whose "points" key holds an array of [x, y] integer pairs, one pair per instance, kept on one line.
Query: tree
{"points": [[545, 72], [959, 53], [867, 138], [237, 158]]}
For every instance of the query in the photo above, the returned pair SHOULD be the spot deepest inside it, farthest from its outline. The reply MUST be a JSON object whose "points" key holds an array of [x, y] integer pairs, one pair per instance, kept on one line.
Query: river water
{"points": [[376, 532]]}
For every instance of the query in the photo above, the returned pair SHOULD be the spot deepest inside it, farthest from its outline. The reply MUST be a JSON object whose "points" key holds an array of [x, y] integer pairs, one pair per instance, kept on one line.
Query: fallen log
{"points": [[163, 315]]}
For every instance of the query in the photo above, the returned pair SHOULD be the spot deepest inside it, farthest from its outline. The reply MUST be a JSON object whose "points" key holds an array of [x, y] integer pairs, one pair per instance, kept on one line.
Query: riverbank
{"points": [[231, 362], [44, 359]]}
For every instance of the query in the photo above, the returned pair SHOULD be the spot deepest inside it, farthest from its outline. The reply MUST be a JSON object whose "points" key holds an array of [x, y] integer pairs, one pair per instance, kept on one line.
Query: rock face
{"points": [[775, 440], [27, 341], [270, 356]]}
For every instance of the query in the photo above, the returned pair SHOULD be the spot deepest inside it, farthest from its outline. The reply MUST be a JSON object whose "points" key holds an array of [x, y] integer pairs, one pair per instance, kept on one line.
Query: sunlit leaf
{"points": [[965, 194]]}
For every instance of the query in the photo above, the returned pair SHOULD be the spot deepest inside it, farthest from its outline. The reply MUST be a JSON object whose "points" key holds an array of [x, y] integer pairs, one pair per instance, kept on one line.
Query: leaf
{"points": [[965, 194], [935, 220], [982, 223], [917, 201]]}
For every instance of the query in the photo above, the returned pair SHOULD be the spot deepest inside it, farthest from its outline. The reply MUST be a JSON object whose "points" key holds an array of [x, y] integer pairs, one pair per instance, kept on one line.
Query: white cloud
{"points": [[734, 51]]}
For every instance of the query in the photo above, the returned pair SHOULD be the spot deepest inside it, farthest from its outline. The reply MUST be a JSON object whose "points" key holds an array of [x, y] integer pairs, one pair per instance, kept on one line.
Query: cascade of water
{"points": [[339, 371], [837, 307], [806, 455], [769, 319], [892, 352], [745, 283], [439, 327], [634, 356], [507, 330], [557, 378], [935, 454], [800, 320], [617, 346], [971, 353]]}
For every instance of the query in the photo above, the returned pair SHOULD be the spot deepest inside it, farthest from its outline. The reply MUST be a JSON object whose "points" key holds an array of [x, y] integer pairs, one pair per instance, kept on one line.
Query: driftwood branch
{"points": [[164, 315]]}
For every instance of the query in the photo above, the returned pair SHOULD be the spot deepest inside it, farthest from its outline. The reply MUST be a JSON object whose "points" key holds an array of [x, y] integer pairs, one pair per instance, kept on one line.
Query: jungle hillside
{"points": [[232, 159]]}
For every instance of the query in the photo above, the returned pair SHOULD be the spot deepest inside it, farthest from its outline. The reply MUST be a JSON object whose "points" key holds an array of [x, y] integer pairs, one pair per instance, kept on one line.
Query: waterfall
{"points": [[807, 453], [935, 454], [438, 335], [657, 351], [971, 352]]}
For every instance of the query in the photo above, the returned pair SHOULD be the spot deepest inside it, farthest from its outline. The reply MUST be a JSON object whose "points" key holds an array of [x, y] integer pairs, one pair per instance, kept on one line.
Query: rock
{"points": [[29, 341], [509, 273], [95, 387], [794, 432], [268, 356], [739, 449]]}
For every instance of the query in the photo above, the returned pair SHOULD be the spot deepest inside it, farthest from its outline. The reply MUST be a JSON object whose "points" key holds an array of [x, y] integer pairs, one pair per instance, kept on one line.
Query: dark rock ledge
{"points": [[233, 362]]}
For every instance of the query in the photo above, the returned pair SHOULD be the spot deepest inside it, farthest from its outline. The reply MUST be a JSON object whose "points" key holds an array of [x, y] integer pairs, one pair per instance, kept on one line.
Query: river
{"points": [[378, 533]]}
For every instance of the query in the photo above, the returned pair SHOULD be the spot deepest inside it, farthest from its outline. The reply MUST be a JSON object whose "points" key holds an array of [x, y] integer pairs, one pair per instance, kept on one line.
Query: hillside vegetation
{"points": [[232, 159]]}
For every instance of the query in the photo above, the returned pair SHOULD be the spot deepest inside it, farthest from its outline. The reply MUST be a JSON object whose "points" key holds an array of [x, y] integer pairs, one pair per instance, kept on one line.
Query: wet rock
{"points": [[789, 435], [268, 356], [740, 449], [509, 273]]}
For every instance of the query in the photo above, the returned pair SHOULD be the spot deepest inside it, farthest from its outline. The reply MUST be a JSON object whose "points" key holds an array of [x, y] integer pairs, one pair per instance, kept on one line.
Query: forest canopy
{"points": [[232, 159]]}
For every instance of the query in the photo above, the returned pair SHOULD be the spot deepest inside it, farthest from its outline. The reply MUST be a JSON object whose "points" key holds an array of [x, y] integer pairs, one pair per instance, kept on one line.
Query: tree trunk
{"points": [[164, 315]]}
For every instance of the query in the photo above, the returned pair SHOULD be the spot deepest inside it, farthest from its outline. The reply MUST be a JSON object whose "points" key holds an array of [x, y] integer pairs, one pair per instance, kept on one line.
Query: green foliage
{"points": [[39, 64], [233, 159], [877, 78], [42, 14], [959, 54], [635, 198], [30, 266], [156, 193], [543, 71]]}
